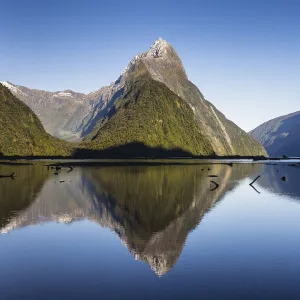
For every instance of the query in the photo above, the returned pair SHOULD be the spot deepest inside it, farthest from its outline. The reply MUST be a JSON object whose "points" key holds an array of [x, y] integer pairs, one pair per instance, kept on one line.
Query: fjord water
{"points": [[150, 232]]}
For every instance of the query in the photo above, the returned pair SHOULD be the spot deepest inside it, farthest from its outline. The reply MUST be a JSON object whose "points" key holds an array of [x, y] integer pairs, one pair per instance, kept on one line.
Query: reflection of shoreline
{"points": [[151, 209], [17, 195], [55, 202], [272, 182]]}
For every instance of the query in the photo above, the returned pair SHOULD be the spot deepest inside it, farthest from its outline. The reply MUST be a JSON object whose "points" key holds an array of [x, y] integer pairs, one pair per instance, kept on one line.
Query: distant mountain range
{"points": [[22, 133], [280, 136], [152, 105], [61, 113]]}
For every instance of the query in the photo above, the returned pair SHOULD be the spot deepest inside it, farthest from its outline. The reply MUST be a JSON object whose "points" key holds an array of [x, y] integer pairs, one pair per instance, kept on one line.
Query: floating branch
{"points": [[254, 180], [216, 185], [71, 169], [255, 189], [212, 175], [12, 176], [251, 184]]}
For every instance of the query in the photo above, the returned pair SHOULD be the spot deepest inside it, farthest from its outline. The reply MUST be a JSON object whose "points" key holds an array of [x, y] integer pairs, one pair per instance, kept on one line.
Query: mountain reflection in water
{"points": [[152, 209], [271, 180]]}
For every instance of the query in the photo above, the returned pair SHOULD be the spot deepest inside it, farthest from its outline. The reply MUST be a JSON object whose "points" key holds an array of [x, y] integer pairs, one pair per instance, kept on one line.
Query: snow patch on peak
{"points": [[7, 84], [12, 88], [63, 94]]}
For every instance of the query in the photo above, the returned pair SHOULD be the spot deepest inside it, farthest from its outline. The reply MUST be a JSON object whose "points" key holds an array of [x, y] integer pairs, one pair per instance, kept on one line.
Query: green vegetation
{"points": [[22, 133], [157, 206], [150, 114], [217, 128], [146, 119], [168, 194]]}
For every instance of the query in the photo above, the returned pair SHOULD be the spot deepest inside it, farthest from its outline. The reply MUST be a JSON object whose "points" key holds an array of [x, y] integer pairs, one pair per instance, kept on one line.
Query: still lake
{"points": [[150, 232]]}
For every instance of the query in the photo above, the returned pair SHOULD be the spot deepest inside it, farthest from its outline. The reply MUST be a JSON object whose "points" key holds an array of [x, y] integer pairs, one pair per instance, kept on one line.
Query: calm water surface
{"points": [[150, 232]]}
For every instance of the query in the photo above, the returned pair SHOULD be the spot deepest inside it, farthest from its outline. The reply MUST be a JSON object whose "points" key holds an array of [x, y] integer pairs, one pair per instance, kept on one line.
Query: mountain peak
{"points": [[161, 55], [158, 49], [160, 40]]}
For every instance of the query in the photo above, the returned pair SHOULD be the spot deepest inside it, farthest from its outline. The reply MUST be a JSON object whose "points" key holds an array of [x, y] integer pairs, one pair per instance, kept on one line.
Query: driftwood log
{"points": [[251, 184], [12, 176], [215, 187]]}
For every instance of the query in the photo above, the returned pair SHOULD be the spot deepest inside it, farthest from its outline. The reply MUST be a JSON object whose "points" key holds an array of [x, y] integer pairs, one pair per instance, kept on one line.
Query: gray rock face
{"points": [[67, 113], [280, 136]]}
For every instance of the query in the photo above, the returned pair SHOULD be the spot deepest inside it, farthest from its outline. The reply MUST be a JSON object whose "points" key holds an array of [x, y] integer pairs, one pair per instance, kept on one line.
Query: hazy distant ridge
{"points": [[280, 136]]}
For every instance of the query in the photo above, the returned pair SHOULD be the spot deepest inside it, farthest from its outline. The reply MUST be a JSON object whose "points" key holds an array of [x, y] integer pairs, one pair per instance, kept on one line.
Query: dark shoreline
{"points": [[254, 158], [135, 161]]}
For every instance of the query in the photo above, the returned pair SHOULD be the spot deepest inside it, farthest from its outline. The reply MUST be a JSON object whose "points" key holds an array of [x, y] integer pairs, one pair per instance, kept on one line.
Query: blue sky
{"points": [[243, 55]]}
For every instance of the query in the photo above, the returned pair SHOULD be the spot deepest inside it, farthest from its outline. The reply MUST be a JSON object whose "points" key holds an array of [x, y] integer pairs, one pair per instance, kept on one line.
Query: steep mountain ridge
{"points": [[80, 115], [280, 136], [150, 114], [164, 65]]}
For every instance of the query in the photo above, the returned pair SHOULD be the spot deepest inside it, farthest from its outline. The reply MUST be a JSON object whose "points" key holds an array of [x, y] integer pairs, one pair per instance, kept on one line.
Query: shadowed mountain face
{"points": [[152, 209], [280, 136], [67, 113]]}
